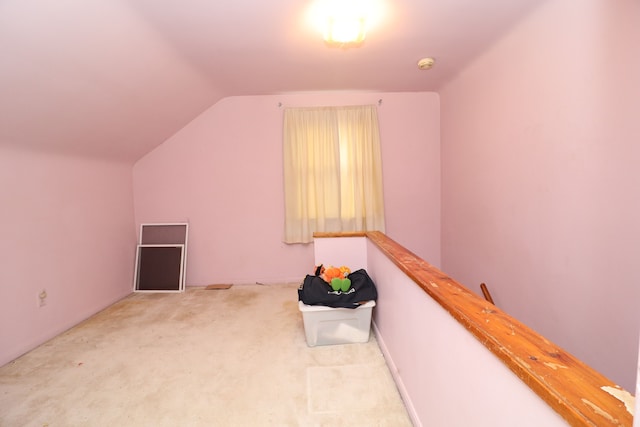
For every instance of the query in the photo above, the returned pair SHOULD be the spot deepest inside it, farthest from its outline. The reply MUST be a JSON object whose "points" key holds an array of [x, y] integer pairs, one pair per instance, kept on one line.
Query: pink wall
{"points": [[67, 227], [223, 174], [430, 365], [445, 375], [540, 154]]}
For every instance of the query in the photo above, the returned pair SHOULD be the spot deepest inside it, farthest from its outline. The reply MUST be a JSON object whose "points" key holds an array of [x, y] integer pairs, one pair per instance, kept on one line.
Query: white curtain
{"points": [[332, 171]]}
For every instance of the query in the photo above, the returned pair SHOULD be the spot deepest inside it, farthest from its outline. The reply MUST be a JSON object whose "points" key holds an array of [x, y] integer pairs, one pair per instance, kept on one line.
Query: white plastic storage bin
{"points": [[328, 325]]}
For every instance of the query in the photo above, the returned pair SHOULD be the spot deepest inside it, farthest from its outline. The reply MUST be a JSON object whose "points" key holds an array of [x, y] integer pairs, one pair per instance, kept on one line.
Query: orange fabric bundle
{"points": [[332, 273]]}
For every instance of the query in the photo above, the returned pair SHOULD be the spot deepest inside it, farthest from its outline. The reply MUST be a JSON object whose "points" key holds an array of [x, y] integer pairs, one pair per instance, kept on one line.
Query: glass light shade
{"points": [[345, 30]]}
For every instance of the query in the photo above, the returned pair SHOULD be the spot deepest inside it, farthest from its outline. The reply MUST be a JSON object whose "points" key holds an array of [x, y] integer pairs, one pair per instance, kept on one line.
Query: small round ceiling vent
{"points": [[426, 63]]}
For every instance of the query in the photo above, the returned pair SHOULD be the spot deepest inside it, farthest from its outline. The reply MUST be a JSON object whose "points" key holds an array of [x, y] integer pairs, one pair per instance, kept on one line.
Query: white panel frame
{"points": [[181, 284], [184, 252]]}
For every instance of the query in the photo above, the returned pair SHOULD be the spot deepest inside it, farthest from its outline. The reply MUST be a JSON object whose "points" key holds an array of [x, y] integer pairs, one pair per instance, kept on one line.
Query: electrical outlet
{"points": [[42, 298]]}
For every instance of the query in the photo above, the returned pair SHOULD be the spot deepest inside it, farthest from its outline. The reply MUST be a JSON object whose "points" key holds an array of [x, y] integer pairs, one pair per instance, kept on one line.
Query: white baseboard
{"points": [[397, 378]]}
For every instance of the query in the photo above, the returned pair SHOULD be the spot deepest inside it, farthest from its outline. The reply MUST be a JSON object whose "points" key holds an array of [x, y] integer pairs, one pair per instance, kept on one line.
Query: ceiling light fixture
{"points": [[345, 30], [345, 22]]}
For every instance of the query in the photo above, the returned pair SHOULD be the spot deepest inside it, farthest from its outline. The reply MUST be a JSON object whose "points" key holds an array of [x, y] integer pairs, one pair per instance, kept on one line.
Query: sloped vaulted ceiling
{"points": [[116, 78]]}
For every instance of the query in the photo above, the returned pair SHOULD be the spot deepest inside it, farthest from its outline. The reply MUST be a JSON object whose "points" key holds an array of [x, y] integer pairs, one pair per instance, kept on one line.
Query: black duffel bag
{"points": [[315, 291]]}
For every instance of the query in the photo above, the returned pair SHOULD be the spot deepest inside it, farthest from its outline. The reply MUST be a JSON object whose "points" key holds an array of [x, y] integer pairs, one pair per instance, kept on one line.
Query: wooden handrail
{"points": [[485, 292], [580, 394]]}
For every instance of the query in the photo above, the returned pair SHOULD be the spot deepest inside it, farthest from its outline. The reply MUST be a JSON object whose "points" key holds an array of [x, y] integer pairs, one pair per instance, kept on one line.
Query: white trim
{"points": [[406, 398]]}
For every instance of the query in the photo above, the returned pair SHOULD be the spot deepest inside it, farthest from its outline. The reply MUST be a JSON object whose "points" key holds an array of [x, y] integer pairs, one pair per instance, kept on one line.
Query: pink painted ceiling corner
{"points": [[116, 78]]}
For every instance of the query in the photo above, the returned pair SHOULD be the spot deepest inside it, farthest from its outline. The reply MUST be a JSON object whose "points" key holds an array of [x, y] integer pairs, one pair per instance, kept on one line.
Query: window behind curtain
{"points": [[332, 171]]}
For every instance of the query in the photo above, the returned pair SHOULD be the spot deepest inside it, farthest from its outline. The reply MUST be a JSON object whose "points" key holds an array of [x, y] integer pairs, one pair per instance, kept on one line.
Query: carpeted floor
{"points": [[234, 357]]}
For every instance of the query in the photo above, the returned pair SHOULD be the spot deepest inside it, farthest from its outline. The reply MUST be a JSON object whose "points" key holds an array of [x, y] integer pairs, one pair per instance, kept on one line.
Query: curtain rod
{"points": [[379, 103]]}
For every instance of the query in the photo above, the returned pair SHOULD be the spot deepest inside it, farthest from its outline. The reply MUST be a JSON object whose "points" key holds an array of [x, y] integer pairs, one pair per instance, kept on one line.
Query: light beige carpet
{"points": [[234, 357]]}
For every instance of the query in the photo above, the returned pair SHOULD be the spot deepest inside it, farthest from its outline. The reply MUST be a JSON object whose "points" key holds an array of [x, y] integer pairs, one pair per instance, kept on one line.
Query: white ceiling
{"points": [[115, 78]]}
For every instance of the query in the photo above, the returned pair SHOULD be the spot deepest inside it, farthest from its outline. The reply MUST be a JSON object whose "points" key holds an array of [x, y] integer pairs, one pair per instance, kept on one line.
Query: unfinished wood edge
{"points": [[322, 234], [218, 286]]}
